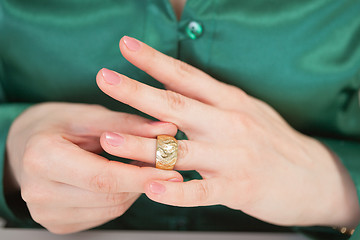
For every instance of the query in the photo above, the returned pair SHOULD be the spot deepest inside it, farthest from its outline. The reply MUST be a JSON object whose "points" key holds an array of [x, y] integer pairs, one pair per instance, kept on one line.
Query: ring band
{"points": [[166, 152]]}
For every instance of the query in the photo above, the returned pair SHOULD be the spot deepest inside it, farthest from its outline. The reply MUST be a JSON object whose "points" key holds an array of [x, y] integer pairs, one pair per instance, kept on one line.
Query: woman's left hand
{"points": [[250, 159]]}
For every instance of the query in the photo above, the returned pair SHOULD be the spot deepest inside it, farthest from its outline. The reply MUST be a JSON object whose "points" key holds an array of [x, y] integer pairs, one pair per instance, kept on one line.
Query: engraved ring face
{"points": [[166, 152]]}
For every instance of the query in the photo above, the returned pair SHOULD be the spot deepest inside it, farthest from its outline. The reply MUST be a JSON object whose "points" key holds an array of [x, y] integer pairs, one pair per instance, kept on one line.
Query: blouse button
{"points": [[194, 30]]}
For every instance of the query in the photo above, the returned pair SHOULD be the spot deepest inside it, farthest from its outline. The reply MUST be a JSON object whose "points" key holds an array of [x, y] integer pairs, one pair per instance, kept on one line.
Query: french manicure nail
{"points": [[157, 188], [131, 43], [114, 139], [110, 77]]}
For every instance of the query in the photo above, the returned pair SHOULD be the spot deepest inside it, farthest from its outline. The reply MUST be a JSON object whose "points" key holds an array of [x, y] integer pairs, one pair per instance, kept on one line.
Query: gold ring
{"points": [[166, 152]]}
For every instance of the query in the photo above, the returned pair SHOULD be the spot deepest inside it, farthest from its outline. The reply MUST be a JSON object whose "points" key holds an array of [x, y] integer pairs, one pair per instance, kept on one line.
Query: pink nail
{"points": [[110, 77], [114, 139], [131, 43], [174, 180], [157, 188]]}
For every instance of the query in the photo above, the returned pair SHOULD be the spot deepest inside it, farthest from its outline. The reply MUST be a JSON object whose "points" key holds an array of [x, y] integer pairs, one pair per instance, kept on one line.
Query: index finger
{"points": [[77, 167], [188, 114]]}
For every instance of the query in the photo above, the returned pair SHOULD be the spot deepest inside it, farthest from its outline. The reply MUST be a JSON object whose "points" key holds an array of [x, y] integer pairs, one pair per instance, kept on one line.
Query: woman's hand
{"points": [[249, 157], [67, 187]]}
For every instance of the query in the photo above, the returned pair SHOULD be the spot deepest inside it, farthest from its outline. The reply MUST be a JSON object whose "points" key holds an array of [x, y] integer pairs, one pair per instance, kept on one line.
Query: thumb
{"points": [[184, 194]]}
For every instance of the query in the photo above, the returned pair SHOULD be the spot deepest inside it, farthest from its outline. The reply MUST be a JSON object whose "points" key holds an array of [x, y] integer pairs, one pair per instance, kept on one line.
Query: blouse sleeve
{"points": [[8, 112]]}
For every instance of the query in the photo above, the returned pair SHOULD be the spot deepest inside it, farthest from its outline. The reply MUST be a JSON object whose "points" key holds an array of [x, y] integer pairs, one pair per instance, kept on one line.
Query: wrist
{"points": [[341, 200], [348, 209]]}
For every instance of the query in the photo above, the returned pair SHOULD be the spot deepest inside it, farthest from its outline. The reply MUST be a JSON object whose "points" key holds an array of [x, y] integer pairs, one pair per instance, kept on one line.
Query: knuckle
{"points": [[32, 161], [237, 92], [32, 194], [38, 146], [104, 181], [175, 100], [134, 87], [202, 191], [183, 150], [131, 144], [37, 218], [126, 119], [38, 215], [182, 69], [26, 194], [152, 60], [41, 140], [244, 120], [100, 183], [180, 193], [116, 198], [116, 211]]}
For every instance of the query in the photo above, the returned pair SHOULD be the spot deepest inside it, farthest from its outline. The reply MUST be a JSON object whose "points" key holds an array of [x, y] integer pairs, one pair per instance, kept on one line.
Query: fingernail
{"points": [[174, 180], [131, 43], [157, 188], [110, 77], [114, 139]]}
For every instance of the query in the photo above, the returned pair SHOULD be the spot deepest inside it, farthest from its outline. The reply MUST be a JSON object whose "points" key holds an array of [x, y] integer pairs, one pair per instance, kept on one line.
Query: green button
{"points": [[194, 30]]}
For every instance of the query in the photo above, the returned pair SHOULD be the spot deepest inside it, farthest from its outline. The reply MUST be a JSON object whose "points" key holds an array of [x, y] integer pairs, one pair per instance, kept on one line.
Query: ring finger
{"points": [[191, 155]]}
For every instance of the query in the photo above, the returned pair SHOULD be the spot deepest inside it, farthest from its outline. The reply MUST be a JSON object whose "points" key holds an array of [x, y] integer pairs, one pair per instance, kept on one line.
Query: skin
{"points": [[178, 6], [51, 158], [249, 157]]}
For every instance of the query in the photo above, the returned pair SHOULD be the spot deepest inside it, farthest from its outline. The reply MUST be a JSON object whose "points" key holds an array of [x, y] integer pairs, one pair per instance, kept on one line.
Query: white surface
{"points": [[32, 234]]}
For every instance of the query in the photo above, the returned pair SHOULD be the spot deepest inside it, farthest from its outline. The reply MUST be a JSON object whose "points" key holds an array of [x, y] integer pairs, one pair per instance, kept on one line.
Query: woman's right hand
{"points": [[51, 154]]}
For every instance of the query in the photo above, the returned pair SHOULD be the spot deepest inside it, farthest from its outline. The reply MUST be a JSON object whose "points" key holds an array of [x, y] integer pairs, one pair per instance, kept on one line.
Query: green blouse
{"points": [[300, 56]]}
